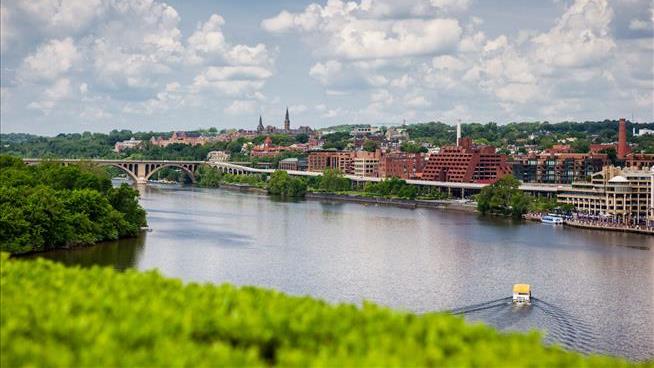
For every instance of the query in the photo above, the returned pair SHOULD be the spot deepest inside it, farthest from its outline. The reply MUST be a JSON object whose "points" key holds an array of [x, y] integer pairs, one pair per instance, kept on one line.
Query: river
{"points": [[595, 289]]}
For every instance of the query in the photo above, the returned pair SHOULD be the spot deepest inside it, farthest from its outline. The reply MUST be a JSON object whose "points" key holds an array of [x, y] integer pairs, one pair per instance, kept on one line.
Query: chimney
{"points": [[623, 147], [458, 132]]}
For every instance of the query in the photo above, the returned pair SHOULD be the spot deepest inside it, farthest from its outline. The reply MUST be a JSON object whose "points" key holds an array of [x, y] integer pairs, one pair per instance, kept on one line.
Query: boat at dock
{"points": [[552, 219]]}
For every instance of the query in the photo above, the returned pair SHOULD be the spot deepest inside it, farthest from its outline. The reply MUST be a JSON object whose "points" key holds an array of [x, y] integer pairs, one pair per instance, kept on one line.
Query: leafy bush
{"points": [[504, 197], [284, 185], [333, 181], [392, 187], [49, 206], [52, 315]]}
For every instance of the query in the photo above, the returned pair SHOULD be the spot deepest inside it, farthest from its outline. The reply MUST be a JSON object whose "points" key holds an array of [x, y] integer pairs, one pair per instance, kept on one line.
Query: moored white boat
{"points": [[552, 219]]}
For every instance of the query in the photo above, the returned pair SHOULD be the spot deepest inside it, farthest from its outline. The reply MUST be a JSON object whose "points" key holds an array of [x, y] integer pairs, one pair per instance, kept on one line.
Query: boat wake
{"points": [[561, 327]]}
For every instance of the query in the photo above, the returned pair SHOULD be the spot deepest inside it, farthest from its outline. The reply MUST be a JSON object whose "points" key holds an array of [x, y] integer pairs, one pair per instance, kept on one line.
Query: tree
{"points": [[370, 146], [503, 197], [412, 148], [284, 185], [207, 176], [333, 181]]}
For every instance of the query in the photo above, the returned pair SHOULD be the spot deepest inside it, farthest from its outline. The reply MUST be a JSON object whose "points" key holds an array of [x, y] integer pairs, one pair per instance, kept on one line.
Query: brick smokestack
{"points": [[623, 147]]}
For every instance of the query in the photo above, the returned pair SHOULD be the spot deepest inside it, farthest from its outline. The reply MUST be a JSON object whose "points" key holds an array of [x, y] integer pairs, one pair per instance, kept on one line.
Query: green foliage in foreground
{"points": [[49, 206], [52, 315]]}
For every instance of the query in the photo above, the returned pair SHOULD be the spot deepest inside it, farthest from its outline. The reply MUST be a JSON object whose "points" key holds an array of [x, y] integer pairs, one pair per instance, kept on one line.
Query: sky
{"points": [[98, 65]]}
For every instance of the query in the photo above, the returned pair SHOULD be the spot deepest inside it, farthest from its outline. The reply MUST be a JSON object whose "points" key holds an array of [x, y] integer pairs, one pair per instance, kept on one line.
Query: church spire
{"points": [[260, 126], [287, 121]]}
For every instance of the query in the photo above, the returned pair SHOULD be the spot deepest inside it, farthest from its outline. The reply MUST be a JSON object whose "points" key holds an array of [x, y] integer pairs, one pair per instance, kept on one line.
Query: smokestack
{"points": [[458, 132], [623, 147]]}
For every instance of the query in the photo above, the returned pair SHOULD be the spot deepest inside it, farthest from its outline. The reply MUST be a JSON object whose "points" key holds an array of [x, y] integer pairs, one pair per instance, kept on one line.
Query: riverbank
{"points": [[244, 188], [396, 202]]}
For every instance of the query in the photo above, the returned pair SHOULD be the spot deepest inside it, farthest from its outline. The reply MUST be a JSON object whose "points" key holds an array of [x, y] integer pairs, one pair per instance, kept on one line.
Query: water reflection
{"points": [[119, 254]]}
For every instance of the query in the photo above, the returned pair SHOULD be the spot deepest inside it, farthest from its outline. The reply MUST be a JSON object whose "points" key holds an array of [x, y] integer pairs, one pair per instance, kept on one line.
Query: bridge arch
{"points": [[189, 171], [123, 168]]}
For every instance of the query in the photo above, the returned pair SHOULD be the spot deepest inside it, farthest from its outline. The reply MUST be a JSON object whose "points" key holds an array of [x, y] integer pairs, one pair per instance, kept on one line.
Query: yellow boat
{"points": [[521, 294]]}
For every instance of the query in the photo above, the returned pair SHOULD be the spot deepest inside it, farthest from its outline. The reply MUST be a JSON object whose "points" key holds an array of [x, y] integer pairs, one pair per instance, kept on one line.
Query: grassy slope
{"points": [[52, 315]]}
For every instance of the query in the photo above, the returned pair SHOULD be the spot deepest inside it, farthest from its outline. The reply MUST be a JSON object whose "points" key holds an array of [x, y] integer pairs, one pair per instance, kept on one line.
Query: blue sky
{"points": [[97, 65]]}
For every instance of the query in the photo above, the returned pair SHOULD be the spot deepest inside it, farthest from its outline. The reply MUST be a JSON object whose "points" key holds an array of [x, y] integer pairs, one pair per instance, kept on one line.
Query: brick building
{"points": [[639, 160], [559, 168], [267, 149], [192, 139], [402, 165], [366, 163], [466, 163], [319, 161]]}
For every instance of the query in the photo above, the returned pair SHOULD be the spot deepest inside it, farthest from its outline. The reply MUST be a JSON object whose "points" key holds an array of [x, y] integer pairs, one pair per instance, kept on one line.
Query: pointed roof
{"points": [[286, 119], [260, 126]]}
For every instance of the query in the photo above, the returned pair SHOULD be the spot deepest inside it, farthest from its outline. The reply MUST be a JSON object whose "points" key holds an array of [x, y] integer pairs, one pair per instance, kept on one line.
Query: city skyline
{"points": [[172, 66]]}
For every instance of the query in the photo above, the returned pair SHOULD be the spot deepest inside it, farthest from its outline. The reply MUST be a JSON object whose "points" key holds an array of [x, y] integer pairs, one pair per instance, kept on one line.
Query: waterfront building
{"points": [[466, 163], [319, 161], [402, 165], [623, 195], [556, 168], [270, 129], [218, 156], [366, 163], [192, 139], [129, 144], [292, 163]]}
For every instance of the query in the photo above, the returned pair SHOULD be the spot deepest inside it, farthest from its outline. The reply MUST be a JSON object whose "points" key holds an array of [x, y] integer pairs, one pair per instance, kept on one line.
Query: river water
{"points": [[594, 289]]}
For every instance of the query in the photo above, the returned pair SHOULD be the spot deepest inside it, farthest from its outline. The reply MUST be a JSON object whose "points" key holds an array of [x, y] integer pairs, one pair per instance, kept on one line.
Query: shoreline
{"points": [[582, 225], [395, 202]]}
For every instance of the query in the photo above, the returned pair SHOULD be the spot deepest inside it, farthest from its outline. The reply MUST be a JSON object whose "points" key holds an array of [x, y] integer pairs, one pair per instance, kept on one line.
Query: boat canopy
{"points": [[521, 288]]}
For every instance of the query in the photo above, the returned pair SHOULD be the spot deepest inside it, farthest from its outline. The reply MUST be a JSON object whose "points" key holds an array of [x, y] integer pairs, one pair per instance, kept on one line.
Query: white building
{"points": [[130, 144], [218, 156]]}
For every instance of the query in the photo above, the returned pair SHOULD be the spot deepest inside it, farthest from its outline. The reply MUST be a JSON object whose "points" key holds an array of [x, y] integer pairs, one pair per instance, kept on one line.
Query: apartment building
{"points": [[466, 163], [557, 168]]}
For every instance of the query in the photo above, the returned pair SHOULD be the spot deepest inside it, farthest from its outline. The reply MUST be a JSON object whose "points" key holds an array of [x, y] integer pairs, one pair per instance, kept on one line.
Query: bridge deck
{"points": [[529, 187]]}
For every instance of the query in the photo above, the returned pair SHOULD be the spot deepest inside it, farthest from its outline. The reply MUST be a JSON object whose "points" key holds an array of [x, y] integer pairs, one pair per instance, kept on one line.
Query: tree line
{"points": [[49, 206]]}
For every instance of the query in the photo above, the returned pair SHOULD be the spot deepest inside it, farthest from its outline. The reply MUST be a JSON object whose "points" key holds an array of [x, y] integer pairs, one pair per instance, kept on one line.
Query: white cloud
{"points": [[222, 73], [326, 72], [580, 38], [364, 31], [50, 60], [639, 25], [58, 91], [241, 107]]}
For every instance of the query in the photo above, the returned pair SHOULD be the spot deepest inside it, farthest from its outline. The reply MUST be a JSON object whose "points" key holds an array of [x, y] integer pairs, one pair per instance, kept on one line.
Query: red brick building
{"points": [[466, 163], [267, 149], [319, 161], [402, 165], [639, 160]]}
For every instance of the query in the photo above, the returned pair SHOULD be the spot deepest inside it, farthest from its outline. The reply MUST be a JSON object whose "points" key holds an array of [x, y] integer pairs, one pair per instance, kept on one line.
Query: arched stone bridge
{"points": [[139, 170], [142, 170]]}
